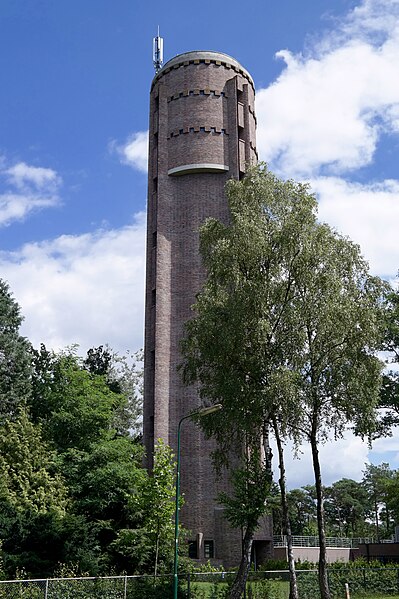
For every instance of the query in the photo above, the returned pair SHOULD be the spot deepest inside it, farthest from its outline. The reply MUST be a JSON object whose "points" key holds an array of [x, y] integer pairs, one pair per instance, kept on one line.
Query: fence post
{"points": [[46, 589], [188, 586], [125, 589]]}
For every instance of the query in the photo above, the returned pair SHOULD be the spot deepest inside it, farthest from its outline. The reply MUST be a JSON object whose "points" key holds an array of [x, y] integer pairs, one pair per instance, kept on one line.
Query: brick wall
{"points": [[201, 115]]}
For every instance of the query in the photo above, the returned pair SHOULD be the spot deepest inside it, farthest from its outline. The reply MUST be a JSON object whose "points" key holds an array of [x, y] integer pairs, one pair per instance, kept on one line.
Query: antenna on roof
{"points": [[157, 52]]}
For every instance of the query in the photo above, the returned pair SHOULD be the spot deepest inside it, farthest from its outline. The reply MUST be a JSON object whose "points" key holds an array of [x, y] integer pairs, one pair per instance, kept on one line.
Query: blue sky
{"points": [[73, 121]]}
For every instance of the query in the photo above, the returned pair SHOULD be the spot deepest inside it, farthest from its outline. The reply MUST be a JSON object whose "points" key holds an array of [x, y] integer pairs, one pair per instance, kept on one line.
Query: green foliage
{"points": [[251, 484], [33, 497], [363, 579], [286, 328], [15, 363], [258, 587], [287, 321], [392, 495], [77, 407], [72, 486], [123, 374], [84, 412], [265, 589], [347, 506], [302, 510], [149, 545], [152, 588], [376, 481]]}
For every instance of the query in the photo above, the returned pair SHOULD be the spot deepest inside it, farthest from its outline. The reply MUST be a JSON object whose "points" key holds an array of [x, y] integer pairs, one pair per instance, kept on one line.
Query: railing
{"points": [[309, 541]]}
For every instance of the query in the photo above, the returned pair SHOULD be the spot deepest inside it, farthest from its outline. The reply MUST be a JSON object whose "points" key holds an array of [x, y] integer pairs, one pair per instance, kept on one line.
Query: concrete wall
{"points": [[311, 554]]}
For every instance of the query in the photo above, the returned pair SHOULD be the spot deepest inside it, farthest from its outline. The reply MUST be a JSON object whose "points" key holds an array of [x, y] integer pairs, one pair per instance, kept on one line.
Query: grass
{"points": [[375, 596], [206, 590], [209, 590]]}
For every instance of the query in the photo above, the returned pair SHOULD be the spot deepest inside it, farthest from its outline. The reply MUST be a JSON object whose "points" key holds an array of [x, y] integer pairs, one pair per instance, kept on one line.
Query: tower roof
{"points": [[218, 57]]}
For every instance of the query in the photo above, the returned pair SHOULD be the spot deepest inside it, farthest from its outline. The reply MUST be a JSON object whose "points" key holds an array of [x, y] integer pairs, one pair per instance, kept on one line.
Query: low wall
{"points": [[384, 552], [311, 554]]}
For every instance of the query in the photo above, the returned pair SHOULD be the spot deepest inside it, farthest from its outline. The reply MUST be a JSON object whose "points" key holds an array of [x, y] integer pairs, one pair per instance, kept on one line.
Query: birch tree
{"points": [[285, 329]]}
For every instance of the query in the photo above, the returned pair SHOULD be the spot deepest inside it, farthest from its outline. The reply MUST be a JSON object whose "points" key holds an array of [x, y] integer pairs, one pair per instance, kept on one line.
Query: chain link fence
{"points": [[113, 587], [210, 585]]}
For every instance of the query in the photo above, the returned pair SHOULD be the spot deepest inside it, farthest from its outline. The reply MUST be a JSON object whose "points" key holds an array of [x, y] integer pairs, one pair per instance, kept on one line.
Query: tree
{"points": [[339, 310], [157, 506], [75, 407], [376, 482], [251, 484], [33, 499], [392, 495], [148, 542], [390, 388], [236, 343], [286, 326], [302, 509], [15, 360], [123, 374], [347, 507], [101, 463]]}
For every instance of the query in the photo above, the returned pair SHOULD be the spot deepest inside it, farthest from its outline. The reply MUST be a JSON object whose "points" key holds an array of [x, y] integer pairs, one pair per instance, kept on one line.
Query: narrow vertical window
{"points": [[209, 549], [193, 549]]}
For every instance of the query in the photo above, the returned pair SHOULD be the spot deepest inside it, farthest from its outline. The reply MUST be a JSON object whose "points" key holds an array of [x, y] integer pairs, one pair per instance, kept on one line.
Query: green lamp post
{"points": [[202, 412]]}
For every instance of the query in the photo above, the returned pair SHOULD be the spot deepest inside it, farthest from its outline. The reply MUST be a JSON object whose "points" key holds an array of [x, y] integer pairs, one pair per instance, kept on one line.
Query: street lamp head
{"points": [[209, 410]]}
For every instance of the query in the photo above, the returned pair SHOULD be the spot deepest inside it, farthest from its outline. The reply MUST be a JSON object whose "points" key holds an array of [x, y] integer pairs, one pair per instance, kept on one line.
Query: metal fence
{"points": [[113, 587], [342, 542], [210, 585]]}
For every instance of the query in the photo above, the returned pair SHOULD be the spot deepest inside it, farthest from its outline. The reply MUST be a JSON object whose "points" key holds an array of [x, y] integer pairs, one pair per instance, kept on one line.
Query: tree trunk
{"points": [[286, 518], [242, 574], [376, 519], [388, 520], [156, 554], [323, 578]]}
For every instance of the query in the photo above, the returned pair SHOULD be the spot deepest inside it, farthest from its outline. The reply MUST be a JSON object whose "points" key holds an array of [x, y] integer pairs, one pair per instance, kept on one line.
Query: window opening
{"points": [[192, 550], [209, 550]]}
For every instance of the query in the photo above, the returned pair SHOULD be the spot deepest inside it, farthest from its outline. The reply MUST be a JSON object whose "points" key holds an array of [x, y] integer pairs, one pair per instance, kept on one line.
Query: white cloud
{"points": [[367, 213], [134, 151], [372, 17], [22, 175], [325, 116], [26, 188], [17, 206], [344, 458], [85, 289], [387, 444], [331, 107]]}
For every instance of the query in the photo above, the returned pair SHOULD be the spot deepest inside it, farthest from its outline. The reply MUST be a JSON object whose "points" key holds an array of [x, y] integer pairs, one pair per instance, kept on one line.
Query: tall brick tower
{"points": [[202, 133]]}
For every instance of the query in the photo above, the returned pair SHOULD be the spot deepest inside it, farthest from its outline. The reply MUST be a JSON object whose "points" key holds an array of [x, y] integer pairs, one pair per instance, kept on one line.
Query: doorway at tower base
{"points": [[225, 548]]}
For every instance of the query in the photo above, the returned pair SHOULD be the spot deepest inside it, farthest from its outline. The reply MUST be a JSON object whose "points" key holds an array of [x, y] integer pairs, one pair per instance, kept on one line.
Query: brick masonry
{"points": [[201, 113]]}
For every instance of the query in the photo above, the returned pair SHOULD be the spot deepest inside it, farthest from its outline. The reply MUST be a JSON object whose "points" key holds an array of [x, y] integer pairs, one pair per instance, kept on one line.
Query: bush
{"points": [[362, 578]]}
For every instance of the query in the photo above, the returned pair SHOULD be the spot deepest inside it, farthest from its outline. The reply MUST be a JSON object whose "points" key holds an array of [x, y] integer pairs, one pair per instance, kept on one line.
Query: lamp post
{"points": [[202, 412]]}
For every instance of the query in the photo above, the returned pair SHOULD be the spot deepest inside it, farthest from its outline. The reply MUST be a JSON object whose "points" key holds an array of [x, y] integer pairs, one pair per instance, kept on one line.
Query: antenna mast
{"points": [[157, 52]]}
